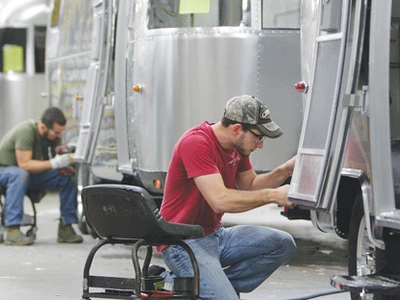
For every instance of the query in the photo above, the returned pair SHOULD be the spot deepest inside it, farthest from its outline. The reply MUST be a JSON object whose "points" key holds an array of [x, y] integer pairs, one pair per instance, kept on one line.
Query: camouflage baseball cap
{"points": [[248, 109]]}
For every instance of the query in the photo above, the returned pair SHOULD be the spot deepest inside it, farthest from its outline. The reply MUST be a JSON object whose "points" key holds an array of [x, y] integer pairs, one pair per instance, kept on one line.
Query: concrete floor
{"points": [[47, 270]]}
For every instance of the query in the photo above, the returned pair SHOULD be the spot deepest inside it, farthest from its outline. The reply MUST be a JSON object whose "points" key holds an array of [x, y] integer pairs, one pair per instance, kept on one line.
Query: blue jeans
{"points": [[232, 260], [17, 181]]}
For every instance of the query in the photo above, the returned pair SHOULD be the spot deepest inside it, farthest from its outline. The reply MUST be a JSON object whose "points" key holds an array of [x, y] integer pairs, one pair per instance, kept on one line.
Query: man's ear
{"points": [[42, 127], [236, 128]]}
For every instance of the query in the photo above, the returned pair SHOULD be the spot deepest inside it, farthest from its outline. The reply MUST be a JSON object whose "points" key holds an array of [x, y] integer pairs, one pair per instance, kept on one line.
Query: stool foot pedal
{"points": [[384, 285], [108, 295], [119, 292], [111, 283]]}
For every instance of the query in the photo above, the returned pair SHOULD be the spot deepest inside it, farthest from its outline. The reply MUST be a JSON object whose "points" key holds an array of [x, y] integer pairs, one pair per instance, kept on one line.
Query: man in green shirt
{"points": [[28, 161]]}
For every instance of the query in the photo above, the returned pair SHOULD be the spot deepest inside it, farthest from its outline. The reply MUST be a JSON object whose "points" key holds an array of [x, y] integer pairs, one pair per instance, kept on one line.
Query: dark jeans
{"points": [[17, 181]]}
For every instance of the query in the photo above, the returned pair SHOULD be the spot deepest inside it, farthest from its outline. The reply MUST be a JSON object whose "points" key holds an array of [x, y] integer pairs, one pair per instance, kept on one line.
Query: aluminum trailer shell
{"points": [[199, 72], [188, 74], [21, 92], [20, 99]]}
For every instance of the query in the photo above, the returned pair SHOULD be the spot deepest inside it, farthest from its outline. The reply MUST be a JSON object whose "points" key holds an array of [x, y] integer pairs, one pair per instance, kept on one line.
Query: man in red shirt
{"points": [[210, 173]]}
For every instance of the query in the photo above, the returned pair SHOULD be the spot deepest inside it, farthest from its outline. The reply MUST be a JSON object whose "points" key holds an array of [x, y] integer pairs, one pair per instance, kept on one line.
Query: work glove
{"points": [[60, 161]]}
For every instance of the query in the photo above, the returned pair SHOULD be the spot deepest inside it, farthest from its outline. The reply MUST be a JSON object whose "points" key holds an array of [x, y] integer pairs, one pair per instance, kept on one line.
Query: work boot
{"points": [[66, 234], [14, 236]]}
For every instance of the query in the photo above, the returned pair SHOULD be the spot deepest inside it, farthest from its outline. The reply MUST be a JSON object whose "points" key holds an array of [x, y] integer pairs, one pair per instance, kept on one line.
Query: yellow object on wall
{"points": [[194, 7], [13, 58]]}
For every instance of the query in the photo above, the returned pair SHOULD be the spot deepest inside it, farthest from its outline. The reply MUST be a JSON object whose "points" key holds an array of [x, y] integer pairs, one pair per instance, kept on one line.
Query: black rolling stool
{"points": [[124, 214], [28, 219]]}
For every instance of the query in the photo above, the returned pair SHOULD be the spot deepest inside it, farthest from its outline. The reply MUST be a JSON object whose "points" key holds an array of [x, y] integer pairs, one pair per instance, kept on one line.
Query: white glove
{"points": [[60, 161]]}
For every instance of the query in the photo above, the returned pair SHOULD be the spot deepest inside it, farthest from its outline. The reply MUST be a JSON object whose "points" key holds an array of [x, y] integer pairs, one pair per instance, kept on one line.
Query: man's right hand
{"points": [[60, 161], [283, 200]]}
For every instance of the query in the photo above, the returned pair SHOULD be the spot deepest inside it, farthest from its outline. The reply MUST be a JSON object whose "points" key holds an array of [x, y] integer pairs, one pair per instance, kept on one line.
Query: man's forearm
{"points": [[271, 179], [36, 166]]}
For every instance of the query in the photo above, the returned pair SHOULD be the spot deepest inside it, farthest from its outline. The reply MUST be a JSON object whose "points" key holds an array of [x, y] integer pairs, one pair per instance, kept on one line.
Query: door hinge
{"points": [[360, 100], [108, 100]]}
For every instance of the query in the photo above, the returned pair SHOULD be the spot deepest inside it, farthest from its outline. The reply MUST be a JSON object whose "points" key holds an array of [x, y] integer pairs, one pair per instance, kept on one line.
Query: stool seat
{"points": [[128, 215], [36, 195]]}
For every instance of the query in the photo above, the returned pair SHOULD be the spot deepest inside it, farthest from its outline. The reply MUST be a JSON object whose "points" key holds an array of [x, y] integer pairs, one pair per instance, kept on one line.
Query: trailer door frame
{"points": [[95, 97], [331, 98]]}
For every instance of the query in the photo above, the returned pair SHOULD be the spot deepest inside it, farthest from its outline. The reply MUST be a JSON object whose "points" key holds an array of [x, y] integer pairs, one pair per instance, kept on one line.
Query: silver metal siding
{"points": [[190, 74]]}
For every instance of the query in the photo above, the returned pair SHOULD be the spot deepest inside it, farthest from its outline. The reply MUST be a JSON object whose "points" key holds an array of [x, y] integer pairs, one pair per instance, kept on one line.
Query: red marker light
{"points": [[301, 86], [157, 183]]}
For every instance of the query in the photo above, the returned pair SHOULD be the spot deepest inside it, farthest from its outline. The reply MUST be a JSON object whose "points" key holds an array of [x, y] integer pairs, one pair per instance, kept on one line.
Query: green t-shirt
{"points": [[25, 136]]}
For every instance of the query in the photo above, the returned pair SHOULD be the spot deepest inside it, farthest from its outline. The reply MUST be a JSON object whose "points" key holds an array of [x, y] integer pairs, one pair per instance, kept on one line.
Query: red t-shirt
{"points": [[198, 153]]}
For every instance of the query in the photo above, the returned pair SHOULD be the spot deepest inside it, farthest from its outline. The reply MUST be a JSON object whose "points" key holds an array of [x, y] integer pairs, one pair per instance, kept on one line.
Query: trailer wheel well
{"points": [[348, 189]]}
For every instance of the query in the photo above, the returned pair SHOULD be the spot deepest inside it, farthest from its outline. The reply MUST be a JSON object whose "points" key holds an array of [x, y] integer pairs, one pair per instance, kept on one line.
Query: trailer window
{"points": [[40, 44], [194, 13], [13, 49], [283, 14]]}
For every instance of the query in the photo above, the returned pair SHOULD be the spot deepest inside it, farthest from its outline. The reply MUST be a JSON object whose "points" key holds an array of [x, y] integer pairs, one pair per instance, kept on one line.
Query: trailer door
{"points": [[331, 97], [95, 97]]}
